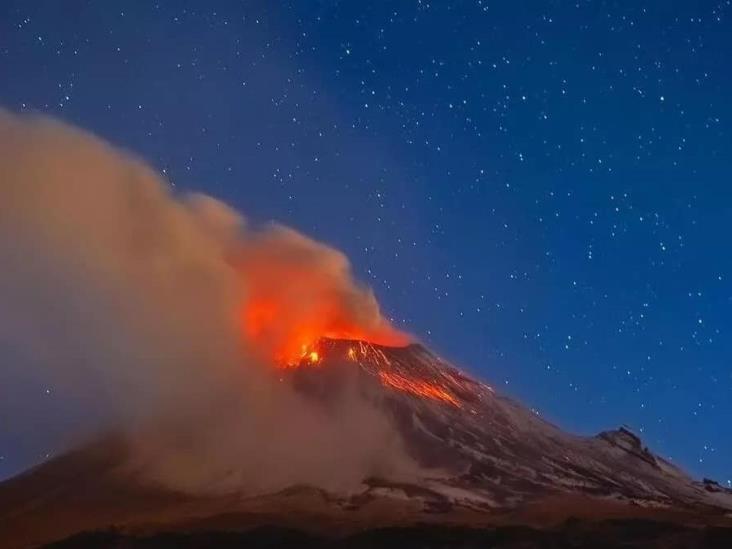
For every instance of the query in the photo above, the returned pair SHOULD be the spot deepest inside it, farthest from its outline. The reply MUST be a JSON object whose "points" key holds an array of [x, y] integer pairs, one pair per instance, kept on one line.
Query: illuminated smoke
{"points": [[159, 316], [299, 290]]}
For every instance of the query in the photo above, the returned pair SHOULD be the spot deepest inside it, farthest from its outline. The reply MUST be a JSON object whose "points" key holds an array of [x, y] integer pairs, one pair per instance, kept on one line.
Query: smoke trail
{"points": [[158, 315]]}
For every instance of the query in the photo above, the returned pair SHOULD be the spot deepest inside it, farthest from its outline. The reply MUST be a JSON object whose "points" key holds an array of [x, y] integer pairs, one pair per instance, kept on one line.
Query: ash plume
{"points": [[160, 316]]}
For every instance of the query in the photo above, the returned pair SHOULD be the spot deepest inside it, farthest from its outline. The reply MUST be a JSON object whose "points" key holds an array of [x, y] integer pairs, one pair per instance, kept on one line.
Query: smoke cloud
{"points": [[299, 290], [161, 316]]}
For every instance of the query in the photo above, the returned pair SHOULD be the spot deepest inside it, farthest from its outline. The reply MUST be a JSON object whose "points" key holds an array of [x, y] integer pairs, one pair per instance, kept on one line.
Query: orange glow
{"points": [[288, 335], [299, 291], [288, 339], [417, 387]]}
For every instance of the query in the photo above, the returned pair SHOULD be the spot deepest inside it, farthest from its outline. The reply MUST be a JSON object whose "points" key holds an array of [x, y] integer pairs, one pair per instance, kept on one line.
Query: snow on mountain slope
{"points": [[489, 448]]}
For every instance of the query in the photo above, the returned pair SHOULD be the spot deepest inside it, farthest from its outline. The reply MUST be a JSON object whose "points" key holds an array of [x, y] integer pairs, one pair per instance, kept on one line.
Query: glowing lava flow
{"points": [[391, 376], [294, 339], [417, 387]]}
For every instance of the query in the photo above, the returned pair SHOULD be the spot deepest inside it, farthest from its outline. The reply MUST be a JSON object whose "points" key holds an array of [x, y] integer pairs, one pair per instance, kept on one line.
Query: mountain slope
{"points": [[489, 461], [494, 451]]}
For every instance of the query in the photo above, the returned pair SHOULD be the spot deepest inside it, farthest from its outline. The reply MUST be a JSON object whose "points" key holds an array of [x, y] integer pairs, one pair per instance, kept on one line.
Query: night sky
{"points": [[540, 191]]}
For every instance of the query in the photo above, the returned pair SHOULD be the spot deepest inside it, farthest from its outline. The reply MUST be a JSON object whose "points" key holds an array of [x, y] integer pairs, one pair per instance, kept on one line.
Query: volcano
{"points": [[491, 466]]}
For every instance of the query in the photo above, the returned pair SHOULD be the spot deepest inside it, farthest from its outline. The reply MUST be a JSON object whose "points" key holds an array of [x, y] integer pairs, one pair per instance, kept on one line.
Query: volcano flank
{"points": [[487, 466]]}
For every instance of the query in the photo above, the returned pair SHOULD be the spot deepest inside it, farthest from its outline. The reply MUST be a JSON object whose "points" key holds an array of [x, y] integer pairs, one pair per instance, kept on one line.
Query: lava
{"points": [[417, 387], [392, 374]]}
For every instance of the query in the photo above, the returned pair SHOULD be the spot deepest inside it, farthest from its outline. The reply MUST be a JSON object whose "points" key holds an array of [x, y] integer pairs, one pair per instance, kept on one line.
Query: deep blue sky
{"points": [[539, 190]]}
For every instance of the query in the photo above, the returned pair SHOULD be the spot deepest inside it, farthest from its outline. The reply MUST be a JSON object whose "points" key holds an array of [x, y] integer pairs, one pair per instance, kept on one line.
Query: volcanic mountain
{"points": [[490, 463]]}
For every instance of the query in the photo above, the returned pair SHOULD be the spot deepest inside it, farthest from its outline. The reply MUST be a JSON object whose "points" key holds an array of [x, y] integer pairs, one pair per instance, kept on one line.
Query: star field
{"points": [[539, 191]]}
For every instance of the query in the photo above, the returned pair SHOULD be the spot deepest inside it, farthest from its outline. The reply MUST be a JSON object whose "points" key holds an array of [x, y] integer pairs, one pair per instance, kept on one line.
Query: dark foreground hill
{"points": [[629, 534]]}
